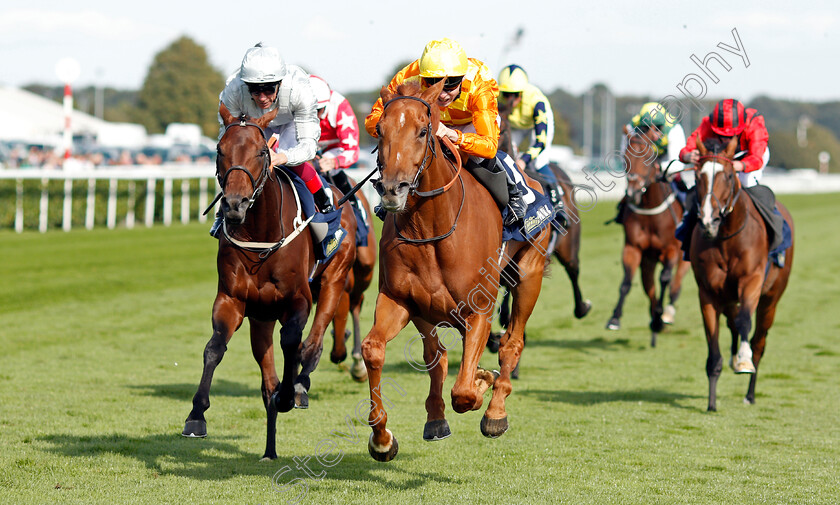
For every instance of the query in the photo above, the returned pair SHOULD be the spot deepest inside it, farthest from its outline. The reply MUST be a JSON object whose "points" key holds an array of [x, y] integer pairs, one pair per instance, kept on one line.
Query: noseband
{"points": [[265, 173]]}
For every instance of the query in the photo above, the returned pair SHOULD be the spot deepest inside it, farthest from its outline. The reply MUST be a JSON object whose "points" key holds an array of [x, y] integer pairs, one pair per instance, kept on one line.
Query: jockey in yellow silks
{"points": [[468, 110]]}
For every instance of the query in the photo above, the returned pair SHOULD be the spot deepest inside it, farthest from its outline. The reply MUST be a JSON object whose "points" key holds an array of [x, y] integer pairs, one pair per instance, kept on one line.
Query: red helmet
{"points": [[729, 118]]}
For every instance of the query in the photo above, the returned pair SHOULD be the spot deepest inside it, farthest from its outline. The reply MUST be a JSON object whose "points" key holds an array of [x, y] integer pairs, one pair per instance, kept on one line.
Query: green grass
{"points": [[102, 333]]}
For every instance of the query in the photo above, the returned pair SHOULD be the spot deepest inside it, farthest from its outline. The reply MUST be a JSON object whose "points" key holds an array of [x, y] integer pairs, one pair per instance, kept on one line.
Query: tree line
{"points": [[182, 86]]}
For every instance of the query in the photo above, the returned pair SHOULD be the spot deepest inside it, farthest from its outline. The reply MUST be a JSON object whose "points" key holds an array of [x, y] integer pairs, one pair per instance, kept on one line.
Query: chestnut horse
{"points": [[440, 258], [351, 303], [265, 261], [650, 220], [729, 258]]}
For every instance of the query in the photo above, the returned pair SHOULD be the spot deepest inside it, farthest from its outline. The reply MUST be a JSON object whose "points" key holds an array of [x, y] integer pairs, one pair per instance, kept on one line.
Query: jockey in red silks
{"points": [[730, 118], [339, 144], [263, 83]]}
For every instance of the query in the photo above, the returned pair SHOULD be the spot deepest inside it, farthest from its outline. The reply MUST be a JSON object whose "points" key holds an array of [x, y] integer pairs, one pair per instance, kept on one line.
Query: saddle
{"points": [[326, 229], [765, 202]]}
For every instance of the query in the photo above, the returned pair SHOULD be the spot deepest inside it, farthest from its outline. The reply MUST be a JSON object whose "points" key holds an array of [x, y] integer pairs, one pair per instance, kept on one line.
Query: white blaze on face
{"points": [[402, 119], [399, 155], [710, 168]]}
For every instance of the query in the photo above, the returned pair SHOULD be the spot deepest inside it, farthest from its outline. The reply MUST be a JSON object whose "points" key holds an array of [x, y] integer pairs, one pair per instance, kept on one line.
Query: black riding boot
{"points": [[554, 192], [216, 229], [343, 183], [322, 201], [516, 204], [620, 209], [686, 228]]}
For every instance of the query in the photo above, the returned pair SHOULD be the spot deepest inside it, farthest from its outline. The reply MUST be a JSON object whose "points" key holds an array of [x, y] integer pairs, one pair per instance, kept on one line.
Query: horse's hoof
{"points": [[282, 404], [436, 430], [614, 324], [585, 307], [358, 371], [748, 401], [493, 342], [742, 362], [195, 429], [711, 408], [669, 314], [653, 336], [301, 397], [338, 358], [656, 325], [493, 428], [383, 454], [268, 457]]}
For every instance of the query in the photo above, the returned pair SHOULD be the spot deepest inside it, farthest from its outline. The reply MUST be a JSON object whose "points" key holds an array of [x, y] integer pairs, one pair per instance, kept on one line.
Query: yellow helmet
{"points": [[513, 79], [443, 58], [653, 113]]}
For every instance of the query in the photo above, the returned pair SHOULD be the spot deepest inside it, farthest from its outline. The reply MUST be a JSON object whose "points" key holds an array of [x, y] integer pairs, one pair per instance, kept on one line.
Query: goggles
{"points": [[262, 88], [451, 84]]}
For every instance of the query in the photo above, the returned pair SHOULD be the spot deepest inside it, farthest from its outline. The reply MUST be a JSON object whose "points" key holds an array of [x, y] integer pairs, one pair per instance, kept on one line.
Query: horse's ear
{"points": [[702, 148], [385, 94], [626, 130], [731, 147], [431, 94], [263, 120], [227, 117]]}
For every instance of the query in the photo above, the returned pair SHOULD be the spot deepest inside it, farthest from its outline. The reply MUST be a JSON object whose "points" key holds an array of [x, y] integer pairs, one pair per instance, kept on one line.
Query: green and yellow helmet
{"points": [[443, 58], [653, 113], [513, 79]]}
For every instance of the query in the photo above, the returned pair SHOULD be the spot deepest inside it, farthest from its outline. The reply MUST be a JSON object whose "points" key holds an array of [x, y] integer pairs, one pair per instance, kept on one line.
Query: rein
{"points": [[733, 195]]}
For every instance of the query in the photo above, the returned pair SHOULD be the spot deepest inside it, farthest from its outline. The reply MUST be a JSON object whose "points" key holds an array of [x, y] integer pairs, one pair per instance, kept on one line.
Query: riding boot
{"points": [[343, 183], [516, 204], [554, 192], [620, 209], [323, 202], [686, 227], [216, 229], [380, 212]]}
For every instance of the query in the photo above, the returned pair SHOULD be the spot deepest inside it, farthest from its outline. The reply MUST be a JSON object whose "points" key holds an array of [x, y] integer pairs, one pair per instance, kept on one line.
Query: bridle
{"points": [[265, 174], [734, 189], [429, 156], [650, 178]]}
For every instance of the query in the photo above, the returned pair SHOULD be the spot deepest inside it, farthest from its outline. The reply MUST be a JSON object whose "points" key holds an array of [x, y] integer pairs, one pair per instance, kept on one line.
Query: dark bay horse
{"points": [[650, 220], [567, 241], [440, 259], [351, 302], [729, 258], [264, 268]]}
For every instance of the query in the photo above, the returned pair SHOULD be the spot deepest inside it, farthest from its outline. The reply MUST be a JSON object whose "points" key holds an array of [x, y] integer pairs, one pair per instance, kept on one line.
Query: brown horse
{"points": [[567, 240], [440, 258], [729, 258], [650, 220], [351, 302], [264, 267]]}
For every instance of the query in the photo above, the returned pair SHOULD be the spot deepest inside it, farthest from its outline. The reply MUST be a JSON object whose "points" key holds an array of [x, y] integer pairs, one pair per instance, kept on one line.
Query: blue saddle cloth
{"points": [[787, 240], [362, 229], [326, 229], [539, 214]]}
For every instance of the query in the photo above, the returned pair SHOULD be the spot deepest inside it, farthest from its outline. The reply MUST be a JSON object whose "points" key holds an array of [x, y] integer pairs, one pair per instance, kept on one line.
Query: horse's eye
{"points": [[424, 132], [378, 130]]}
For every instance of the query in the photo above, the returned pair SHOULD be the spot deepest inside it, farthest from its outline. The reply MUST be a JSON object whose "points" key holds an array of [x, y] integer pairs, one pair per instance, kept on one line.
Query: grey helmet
{"points": [[262, 65]]}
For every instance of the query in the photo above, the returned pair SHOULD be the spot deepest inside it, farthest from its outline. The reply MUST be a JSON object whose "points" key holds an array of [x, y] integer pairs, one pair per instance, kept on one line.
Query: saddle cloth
{"points": [[326, 229], [539, 214]]}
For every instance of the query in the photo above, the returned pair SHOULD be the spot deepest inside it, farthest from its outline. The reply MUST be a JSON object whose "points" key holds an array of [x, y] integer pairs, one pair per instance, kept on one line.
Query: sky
{"points": [[787, 49]]}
